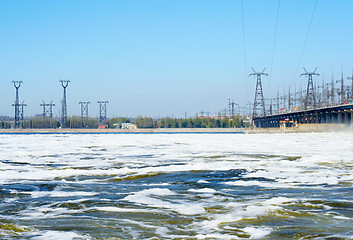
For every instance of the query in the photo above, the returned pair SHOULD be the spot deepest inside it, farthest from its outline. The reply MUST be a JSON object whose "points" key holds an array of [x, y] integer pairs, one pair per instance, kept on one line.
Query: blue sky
{"points": [[164, 58]]}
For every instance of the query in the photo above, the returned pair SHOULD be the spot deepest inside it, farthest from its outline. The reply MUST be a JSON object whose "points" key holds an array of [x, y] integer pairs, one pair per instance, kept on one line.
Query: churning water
{"points": [[169, 186]]}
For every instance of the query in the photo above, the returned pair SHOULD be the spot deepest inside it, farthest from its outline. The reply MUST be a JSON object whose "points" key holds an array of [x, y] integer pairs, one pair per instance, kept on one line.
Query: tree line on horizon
{"points": [[167, 122], [41, 122]]}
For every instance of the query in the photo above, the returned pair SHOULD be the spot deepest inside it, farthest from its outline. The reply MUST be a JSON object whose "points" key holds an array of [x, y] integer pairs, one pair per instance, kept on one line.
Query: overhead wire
{"points": [[274, 44], [244, 49], [305, 41]]}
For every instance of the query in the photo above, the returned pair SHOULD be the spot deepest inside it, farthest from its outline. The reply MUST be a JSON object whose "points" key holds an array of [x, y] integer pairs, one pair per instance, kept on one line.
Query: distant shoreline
{"points": [[117, 131]]}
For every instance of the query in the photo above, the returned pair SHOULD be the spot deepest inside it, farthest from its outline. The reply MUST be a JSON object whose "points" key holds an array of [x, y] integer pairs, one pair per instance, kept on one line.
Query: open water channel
{"points": [[176, 186]]}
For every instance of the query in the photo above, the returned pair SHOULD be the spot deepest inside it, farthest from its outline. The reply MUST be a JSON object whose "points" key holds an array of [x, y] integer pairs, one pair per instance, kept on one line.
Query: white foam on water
{"points": [[62, 194], [117, 161], [202, 181], [216, 236], [287, 161], [247, 210], [58, 235], [256, 233], [122, 210], [202, 190], [266, 184], [150, 197], [47, 212], [156, 184]]}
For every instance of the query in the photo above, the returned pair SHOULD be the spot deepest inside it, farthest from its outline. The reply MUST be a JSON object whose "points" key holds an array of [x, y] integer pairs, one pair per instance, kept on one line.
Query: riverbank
{"points": [[301, 128], [112, 131]]}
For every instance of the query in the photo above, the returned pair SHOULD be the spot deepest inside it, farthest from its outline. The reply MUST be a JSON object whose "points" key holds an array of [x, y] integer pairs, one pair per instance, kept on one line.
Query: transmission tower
{"points": [[277, 102], [48, 109], [17, 85], [233, 108], [351, 78], [21, 110], [84, 109], [289, 101], [341, 93], [102, 110], [348, 93], [229, 112], [259, 102], [331, 92], [64, 84], [323, 94], [310, 100]]}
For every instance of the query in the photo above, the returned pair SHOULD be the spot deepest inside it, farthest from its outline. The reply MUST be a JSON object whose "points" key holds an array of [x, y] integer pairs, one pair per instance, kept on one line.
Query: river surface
{"points": [[176, 186]]}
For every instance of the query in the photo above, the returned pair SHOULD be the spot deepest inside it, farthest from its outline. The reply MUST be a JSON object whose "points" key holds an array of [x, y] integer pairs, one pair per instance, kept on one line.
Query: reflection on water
{"points": [[150, 186]]}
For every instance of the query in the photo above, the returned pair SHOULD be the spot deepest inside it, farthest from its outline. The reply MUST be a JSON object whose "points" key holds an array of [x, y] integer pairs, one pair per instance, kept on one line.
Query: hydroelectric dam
{"points": [[339, 114]]}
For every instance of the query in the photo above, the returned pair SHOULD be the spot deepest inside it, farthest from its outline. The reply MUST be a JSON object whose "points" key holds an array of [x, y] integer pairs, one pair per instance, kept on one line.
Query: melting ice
{"points": [[194, 186]]}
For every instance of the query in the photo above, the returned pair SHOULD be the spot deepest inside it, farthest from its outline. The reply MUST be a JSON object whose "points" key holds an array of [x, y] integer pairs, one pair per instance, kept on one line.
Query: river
{"points": [[176, 186]]}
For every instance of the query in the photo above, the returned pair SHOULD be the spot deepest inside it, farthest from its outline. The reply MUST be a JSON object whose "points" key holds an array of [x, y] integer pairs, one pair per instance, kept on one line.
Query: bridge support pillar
{"points": [[334, 118], [346, 118], [339, 118]]}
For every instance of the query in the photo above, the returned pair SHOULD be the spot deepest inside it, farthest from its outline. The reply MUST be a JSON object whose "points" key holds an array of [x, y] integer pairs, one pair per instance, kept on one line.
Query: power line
{"points": [[244, 48], [306, 39], [274, 43]]}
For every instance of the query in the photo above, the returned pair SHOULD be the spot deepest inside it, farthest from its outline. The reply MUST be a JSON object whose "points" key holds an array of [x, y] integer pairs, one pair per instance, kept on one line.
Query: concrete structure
{"points": [[340, 114]]}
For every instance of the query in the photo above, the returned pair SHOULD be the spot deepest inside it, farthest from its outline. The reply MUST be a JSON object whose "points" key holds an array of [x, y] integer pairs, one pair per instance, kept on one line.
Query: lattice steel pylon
{"points": [[21, 110], [64, 84], [102, 110], [17, 85], [259, 102], [233, 108], [351, 78], [341, 92], [84, 109], [48, 109], [310, 99]]}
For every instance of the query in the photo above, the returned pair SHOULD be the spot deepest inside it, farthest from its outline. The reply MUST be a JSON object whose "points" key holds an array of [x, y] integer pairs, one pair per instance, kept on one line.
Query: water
{"points": [[176, 186]]}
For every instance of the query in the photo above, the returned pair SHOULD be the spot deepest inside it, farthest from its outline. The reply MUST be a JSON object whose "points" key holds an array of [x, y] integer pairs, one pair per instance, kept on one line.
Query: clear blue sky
{"points": [[164, 58]]}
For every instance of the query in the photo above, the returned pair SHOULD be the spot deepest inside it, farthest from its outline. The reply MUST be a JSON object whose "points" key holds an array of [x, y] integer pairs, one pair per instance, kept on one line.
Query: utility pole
{"points": [[259, 102], [310, 100], [64, 84], [17, 85], [185, 114], [102, 110], [48, 109]]}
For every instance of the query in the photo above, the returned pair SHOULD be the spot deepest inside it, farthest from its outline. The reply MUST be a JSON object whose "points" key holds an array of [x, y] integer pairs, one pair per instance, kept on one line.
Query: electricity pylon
{"points": [[310, 100], [259, 102]]}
